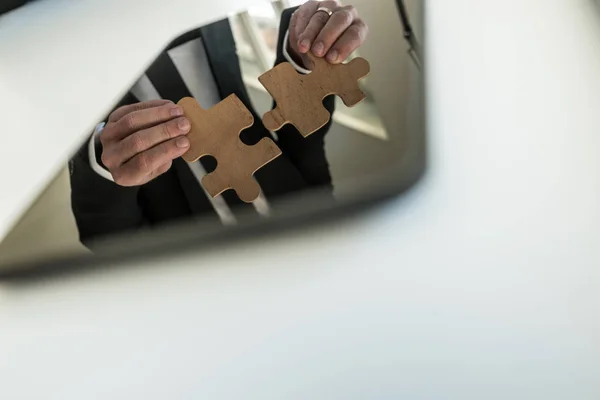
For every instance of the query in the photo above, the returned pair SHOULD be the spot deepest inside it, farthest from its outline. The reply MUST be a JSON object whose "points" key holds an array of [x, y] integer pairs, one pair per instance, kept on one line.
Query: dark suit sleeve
{"points": [[101, 207], [307, 154]]}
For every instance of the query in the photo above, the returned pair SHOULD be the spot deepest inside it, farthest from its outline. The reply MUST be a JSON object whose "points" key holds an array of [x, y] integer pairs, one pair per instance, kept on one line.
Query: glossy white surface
{"points": [[481, 283]]}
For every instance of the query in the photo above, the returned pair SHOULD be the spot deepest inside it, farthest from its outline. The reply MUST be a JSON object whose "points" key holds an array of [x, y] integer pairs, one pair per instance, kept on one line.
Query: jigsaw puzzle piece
{"points": [[283, 83], [348, 89], [275, 119], [216, 132], [298, 101], [215, 128], [241, 176], [246, 188], [299, 98]]}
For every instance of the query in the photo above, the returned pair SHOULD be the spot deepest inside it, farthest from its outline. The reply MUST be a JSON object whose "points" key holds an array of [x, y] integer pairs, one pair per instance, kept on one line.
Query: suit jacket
{"points": [[101, 207]]}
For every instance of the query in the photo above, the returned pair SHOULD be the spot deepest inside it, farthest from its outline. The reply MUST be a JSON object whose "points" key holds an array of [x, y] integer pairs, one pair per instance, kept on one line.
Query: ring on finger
{"points": [[326, 10]]}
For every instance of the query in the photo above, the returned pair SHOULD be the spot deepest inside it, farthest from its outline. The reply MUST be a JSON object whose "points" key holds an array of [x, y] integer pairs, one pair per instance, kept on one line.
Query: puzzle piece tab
{"points": [[299, 98], [216, 132]]}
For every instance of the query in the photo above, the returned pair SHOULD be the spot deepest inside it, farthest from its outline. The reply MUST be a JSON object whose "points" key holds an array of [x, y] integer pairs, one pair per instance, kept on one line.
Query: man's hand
{"points": [[140, 141], [334, 37]]}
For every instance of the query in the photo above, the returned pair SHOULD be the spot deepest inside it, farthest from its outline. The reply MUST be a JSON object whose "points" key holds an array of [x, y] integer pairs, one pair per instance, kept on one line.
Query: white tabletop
{"points": [[480, 283]]}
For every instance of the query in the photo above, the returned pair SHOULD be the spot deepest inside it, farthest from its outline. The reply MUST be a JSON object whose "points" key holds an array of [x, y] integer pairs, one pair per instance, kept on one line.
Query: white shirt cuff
{"points": [[286, 55], [92, 154]]}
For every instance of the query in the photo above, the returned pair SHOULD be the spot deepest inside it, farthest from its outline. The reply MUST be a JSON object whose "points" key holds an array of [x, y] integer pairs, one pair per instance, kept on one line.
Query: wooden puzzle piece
{"points": [[299, 98], [216, 132]]}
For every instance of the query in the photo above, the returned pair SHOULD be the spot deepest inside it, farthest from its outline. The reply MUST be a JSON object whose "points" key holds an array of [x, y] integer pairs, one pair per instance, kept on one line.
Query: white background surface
{"points": [[482, 282]]}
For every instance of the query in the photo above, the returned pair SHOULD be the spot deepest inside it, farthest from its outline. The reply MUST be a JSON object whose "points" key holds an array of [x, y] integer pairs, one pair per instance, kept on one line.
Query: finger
{"points": [[122, 111], [351, 40], [302, 15], [136, 171], [147, 138], [315, 25], [293, 34], [142, 119], [293, 25], [307, 38], [340, 20]]}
